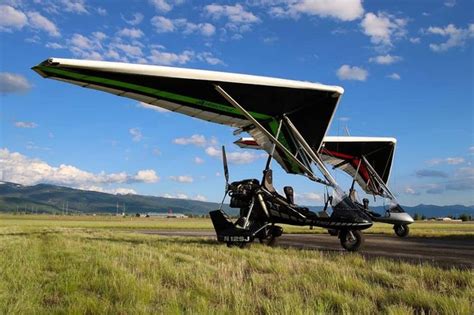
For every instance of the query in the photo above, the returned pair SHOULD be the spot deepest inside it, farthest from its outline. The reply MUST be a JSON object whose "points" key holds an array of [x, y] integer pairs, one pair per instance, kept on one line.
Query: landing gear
{"points": [[402, 230], [269, 235], [351, 240]]}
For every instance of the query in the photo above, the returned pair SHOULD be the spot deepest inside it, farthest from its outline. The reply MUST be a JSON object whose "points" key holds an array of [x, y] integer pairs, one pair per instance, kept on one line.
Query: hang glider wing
{"points": [[367, 159], [310, 106], [375, 155]]}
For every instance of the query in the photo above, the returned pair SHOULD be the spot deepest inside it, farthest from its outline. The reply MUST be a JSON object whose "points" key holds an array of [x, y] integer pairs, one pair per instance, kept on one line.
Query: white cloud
{"points": [[136, 19], [410, 191], [182, 179], [196, 139], [385, 59], [243, 157], [162, 24], [13, 83], [346, 72], [101, 11], [163, 5], [383, 28], [455, 37], [38, 21], [25, 124], [450, 3], [209, 58], [20, 169], [146, 176], [153, 107], [176, 196], [234, 13], [414, 40], [165, 25], [166, 58], [200, 198], [394, 76], [136, 134], [11, 18], [54, 46], [130, 32], [310, 197], [198, 160], [345, 10], [130, 50], [471, 150], [75, 6], [448, 160]]}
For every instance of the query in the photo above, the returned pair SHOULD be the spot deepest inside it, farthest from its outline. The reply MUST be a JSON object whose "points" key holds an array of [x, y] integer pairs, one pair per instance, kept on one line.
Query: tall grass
{"points": [[56, 270], [419, 228]]}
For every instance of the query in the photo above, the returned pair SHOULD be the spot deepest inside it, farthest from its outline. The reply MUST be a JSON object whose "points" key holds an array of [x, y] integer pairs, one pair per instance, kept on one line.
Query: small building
{"points": [[166, 215]]}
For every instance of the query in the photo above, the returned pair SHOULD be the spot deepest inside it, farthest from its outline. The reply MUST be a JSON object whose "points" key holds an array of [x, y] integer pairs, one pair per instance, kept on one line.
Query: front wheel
{"points": [[401, 230], [351, 240]]}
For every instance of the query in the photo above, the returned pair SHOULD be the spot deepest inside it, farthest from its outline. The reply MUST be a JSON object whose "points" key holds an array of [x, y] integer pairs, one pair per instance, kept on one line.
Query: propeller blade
{"points": [[226, 169]]}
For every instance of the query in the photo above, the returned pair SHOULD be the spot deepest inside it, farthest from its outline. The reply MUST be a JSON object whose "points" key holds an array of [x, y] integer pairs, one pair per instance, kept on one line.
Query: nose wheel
{"points": [[402, 230], [351, 240]]}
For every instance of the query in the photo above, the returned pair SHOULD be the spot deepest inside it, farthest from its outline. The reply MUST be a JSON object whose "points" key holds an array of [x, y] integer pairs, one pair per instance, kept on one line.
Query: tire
{"points": [[351, 240], [402, 230], [333, 232]]}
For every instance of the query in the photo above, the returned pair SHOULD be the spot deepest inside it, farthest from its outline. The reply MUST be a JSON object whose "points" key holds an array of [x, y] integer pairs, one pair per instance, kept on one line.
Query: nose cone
{"points": [[403, 218]]}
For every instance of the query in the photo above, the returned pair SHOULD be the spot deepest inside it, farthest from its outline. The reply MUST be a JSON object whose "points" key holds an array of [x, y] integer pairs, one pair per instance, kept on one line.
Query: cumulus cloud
{"points": [[160, 57], [411, 191], [136, 134], [310, 197], [394, 76], [182, 179], [165, 25], [383, 28], [243, 157], [450, 3], [164, 5], [385, 59], [197, 140], [75, 6], [21, 169], [455, 37], [13, 83], [431, 173], [209, 58], [40, 22], [11, 18], [25, 124], [238, 19], [448, 160], [130, 32], [344, 10], [346, 72], [200, 198], [198, 160]]}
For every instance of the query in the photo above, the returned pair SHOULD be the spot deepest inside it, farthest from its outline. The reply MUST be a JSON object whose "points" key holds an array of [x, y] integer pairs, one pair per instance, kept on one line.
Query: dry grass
{"points": [[60, 267]]}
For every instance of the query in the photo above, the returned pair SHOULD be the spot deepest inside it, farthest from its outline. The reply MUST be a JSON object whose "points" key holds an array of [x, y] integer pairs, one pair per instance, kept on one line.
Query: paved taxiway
{"points": [[444, 252]]}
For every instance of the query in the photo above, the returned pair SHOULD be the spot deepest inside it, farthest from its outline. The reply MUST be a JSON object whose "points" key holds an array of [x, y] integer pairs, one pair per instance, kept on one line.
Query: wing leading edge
{"points": [[310, 106]]}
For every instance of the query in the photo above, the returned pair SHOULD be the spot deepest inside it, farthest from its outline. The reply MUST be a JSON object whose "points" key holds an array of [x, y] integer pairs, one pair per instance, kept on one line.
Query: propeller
{"points": [[226, 169]]}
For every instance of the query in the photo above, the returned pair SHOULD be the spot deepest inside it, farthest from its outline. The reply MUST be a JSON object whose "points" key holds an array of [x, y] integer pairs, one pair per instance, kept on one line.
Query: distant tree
{"points": [[416, 217], [465, 217], [423, 217]]}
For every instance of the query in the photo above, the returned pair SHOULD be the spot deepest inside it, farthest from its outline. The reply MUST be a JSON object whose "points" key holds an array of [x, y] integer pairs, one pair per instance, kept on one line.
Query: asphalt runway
{"points": [[443, 252]]}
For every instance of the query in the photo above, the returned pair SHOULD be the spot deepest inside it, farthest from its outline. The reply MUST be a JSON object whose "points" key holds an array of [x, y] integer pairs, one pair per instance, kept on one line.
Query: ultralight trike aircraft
{"points": [[288, 119]]}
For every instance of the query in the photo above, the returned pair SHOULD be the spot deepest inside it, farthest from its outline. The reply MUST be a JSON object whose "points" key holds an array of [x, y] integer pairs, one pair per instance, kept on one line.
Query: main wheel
{"points": [[351, 240], [402, 230]]}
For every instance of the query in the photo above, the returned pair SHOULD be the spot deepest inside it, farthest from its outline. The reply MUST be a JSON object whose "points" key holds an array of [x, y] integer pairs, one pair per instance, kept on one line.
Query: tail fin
{"points": [[220, 221]]}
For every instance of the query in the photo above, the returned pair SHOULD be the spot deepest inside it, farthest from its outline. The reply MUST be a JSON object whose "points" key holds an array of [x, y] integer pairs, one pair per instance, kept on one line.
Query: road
{"points": [[444, 252]]}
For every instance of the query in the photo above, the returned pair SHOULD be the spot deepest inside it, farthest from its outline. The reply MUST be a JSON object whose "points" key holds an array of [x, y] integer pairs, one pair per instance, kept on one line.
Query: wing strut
{"points": [[316, 159], [309, 173], [379, 180]]}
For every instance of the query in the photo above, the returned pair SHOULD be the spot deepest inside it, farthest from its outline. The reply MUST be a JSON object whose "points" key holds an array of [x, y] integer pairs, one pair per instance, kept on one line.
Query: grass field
{"points": [[95, 266], [420, 228]]}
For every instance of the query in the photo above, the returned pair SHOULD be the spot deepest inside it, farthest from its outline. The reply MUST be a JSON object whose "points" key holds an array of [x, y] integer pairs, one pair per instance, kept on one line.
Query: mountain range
{"points": [[46, 198]]}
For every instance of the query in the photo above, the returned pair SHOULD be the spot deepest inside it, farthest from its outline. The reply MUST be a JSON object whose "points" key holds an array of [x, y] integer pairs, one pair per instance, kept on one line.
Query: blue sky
{"points": [[406, 67]]}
